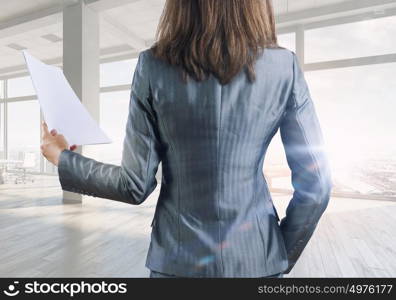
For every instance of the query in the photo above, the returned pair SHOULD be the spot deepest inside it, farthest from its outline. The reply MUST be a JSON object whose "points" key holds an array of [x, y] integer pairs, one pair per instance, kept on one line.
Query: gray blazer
{"points": [[214, 216]]}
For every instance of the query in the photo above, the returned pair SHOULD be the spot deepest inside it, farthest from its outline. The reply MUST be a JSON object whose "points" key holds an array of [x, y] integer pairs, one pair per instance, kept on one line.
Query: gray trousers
{"points": [[155, 274]]}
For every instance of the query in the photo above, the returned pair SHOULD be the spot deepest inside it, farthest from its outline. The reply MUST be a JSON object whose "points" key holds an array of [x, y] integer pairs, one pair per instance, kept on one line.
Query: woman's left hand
{"points": [[53, 144]]}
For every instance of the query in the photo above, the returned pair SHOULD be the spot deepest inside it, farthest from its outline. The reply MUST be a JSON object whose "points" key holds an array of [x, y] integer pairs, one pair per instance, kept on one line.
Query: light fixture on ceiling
{"points": [[16, 46], [379, 12], [52, 38]]}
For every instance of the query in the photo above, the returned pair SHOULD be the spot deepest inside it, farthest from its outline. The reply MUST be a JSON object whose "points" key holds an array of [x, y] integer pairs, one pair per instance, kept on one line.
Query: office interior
{"points": [[347, 49]]}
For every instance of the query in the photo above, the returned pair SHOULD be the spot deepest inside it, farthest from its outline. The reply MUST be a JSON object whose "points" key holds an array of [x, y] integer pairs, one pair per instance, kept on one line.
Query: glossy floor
{"points": [[41, 236]]}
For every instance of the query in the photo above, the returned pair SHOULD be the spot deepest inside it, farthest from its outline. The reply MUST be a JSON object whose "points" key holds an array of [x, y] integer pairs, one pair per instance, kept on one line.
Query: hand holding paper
{"points": [[53, 144], [61, 107]]}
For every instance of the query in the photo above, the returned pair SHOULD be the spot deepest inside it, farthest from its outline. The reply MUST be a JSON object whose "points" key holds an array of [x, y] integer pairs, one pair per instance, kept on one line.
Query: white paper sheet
{"points": [[61, 107]]}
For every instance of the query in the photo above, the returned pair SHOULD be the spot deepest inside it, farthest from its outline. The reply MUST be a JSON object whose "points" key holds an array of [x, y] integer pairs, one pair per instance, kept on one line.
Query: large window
{"points": [[1, 89], [113, 119], [350, 40], [24, 130], [355, 104], [287, 40], [114, 107], [117, 73], [23, 117], [19, 87], [356, 107], [2, 150]]}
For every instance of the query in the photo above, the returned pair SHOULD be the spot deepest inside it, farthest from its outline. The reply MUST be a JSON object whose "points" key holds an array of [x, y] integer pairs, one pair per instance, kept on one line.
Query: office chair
{"points": [[29, 163]]}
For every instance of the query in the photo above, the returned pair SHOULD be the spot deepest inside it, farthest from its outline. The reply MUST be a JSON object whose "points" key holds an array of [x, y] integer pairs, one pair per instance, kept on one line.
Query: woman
{"points": [[206, 100]]}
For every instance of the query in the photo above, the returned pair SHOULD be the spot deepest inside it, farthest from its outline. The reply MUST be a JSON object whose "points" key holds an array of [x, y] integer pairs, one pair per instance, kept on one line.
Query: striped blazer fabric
{"points": [[214, 215]]}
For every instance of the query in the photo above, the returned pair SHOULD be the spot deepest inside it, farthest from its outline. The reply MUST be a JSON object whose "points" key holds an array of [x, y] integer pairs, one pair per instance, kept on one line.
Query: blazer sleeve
{"points": [[311, 179], [134, 180]]}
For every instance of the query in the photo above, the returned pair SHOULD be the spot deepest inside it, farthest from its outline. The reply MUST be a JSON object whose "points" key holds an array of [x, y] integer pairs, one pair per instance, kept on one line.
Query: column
{"points": [[81, 63]]}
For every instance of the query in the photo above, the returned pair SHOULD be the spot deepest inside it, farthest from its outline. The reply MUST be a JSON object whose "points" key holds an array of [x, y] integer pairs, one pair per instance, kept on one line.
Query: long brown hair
{"points": [[219, 37]]}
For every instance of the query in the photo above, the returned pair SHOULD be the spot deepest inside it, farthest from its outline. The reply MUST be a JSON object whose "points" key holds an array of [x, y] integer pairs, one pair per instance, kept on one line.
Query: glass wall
{"points": [[350, 40], [113, 119], [2, 149], [287, 40], [1, 89], [19, 87], [117, 73], [355, 104], [2, 120], [23, 125], [23, 116], [114, 107], [358, 121]]}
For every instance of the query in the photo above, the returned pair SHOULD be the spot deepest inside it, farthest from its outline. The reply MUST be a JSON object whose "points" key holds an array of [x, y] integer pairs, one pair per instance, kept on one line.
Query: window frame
{"points": [[282, 28], [300, 29]]}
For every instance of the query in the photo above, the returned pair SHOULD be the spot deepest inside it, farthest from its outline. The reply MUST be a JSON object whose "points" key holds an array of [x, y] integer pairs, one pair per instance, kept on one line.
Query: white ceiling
{"points": [[11, 9], [126, 26]]}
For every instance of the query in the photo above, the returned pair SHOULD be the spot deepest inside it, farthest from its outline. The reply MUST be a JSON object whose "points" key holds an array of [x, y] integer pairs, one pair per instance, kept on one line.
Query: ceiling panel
{"points": [[10, 9], [129, 26]]}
